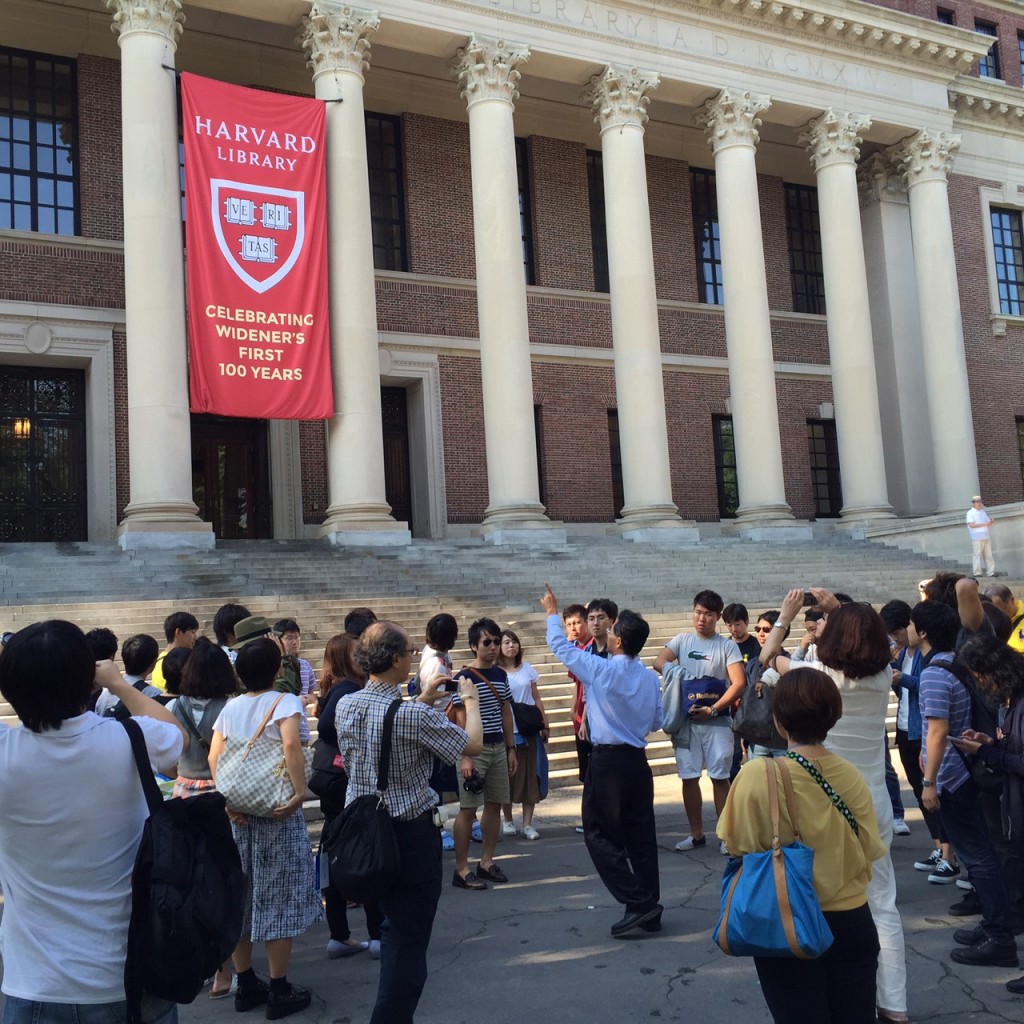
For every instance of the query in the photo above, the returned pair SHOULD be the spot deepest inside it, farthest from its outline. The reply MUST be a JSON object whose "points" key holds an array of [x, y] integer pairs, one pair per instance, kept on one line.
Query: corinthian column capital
{"points": [[157, 17], [879, 181], [731, 119], [926, 156], [834, 137], [486, 68], [335, 36], [619, 96]]}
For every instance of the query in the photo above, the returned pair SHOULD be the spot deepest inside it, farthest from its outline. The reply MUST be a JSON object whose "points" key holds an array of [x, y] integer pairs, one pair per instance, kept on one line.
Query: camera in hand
{"points": [[809, 599], [450, 686], [474, 784]]}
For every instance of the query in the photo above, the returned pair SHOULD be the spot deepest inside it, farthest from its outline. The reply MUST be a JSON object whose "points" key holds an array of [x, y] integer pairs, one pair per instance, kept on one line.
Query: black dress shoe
{"points": [[969, 936], [987, 954], [1016, 986], [636, 919], [285, 1003], [251, 996], [654, 925], [966, 907]]}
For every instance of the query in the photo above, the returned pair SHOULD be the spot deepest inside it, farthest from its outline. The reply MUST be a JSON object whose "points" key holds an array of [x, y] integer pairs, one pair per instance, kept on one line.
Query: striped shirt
{"points": [[490, 706], [420, 734], [942, 695]]}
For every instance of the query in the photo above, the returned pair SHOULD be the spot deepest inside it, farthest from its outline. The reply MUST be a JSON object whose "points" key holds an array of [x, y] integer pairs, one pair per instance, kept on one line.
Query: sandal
{"points": [[224, 993], [492, 874], [469, 881]]}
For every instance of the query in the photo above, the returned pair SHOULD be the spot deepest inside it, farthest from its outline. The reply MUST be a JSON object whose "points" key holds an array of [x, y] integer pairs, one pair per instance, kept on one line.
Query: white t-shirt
{"points": [[71, 817], [242, 715], [977, 523], [520, 682]]}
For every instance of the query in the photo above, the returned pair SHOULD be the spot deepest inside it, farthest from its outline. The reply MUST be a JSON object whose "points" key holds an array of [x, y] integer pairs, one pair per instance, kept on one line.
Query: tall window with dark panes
{"points": [[525, 214], [38, 143], [1020, 53], [944, 17], [988, 66], [704, 199], [615, 457], [725, 467], [826, 483], [805, 267], [538, 432], [598, 224], [387, 191], [1008, 250]]}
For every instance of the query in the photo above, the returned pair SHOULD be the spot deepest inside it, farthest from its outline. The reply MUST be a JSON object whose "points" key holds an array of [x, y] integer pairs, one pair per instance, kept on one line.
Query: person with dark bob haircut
{"points": [[103, 643], [72, 812], [838, 987], [255, 660], [853, 650], [207, 673], [998, 673], [173, 665], [421, 732], [357, 621]]}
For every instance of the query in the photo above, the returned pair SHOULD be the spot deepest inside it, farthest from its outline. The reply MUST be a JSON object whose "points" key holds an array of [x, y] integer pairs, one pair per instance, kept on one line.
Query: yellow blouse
{"points": [[842, 860]]}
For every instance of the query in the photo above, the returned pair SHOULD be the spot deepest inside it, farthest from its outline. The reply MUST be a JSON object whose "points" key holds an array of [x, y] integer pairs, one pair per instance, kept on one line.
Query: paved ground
{"points": [[538, 949]]}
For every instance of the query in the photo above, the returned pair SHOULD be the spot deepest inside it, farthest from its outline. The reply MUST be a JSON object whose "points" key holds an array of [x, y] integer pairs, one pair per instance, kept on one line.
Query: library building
{"points": [[587, 268]]}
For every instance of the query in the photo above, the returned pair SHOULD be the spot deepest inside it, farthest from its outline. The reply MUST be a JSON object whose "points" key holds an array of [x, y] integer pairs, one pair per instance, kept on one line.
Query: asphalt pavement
{"points": [[538, 948]]}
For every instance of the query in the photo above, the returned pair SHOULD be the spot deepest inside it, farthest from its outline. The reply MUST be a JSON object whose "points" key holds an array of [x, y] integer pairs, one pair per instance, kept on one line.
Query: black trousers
{"points": [[618, 825], [910, 752], [837, 988]]}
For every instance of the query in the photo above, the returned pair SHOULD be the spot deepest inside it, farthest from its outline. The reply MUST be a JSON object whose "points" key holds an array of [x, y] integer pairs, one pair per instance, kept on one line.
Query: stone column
{"points": [[336, 38], [731, 121], [926, 158], [160, 512], [833, 141], [896, 329], [487, 72], [619, 98]]}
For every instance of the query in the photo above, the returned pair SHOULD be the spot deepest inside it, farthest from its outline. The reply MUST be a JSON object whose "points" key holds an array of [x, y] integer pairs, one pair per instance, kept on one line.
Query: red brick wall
{"points": [[439, 196], [560, 201], [668, 194], [313, 455], [774, 237], [99, 146]]}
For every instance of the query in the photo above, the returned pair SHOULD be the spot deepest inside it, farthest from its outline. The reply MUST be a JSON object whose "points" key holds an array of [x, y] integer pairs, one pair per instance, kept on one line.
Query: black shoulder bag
{"points": [[361, 846]]}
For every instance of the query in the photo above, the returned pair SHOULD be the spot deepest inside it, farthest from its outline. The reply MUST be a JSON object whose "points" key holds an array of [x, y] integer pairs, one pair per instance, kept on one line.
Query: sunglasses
{"points": [[489, 641], [762, 629]]}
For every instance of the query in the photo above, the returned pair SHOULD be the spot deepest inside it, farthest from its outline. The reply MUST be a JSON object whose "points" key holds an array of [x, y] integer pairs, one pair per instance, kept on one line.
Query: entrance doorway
{"points": [[231, 476], [42, 454], [397, 478]]}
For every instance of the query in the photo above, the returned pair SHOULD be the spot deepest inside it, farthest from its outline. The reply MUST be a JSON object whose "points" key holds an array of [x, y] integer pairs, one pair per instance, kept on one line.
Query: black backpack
{"points": [[187, 893], [984, 718]]}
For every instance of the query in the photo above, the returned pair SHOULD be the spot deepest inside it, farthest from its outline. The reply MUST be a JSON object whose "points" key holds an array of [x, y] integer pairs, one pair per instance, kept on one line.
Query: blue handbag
{"points": [[769, 906]]}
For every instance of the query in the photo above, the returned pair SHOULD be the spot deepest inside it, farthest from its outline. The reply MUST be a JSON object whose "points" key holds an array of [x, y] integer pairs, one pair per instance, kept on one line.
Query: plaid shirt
{"points": [[421, 733]]}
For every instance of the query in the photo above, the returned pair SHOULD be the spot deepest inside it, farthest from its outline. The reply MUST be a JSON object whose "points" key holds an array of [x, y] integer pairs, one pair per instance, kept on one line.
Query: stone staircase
{"points": [[97, 585]]}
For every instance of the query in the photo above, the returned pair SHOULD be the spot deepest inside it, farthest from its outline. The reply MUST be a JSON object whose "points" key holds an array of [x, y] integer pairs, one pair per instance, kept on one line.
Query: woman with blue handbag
{"points": [[837, 986]]}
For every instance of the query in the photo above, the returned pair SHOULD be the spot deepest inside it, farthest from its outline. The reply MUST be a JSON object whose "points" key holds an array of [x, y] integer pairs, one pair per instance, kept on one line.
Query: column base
{"points": [[656, 531], [763, 525], [160, 526], [522, 533], [862, 513], [369, 525]]}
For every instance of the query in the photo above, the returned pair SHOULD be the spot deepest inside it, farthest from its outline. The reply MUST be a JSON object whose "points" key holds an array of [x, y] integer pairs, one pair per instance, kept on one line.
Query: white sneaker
{"points": [[900, 827], [723, 849], [375, 948], [529, 832], [508, 828]]}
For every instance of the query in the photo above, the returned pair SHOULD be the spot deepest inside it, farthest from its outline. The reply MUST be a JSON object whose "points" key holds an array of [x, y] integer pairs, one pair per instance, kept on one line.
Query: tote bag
{"points": [[769, 906]]}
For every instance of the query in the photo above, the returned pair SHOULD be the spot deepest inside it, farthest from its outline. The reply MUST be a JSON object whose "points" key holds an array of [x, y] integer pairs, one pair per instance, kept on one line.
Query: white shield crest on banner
{"points": [[260, 230]]}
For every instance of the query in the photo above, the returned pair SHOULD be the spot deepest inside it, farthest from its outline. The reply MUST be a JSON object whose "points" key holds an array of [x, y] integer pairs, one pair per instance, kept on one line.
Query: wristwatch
{"points": [[927, 783], [714, 711]]}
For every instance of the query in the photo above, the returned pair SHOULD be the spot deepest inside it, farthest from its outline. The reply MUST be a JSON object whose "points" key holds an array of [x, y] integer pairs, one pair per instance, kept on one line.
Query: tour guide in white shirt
{"points": [[623, 708]]}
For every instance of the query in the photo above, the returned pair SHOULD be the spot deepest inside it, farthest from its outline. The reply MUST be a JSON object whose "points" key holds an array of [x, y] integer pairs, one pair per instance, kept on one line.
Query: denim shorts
{"points": [[27, 1011]]}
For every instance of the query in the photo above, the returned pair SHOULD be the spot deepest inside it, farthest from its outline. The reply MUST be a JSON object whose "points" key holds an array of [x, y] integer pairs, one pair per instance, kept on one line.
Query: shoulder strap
{"points": [[773, 799], [483, 678], [266, 721], [384, 764], [153, 798], [820, 779], [787, 785], [190, 723]]}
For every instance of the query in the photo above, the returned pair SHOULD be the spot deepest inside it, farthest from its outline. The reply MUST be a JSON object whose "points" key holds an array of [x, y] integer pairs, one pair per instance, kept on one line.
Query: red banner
{"points": [[258, 328]]}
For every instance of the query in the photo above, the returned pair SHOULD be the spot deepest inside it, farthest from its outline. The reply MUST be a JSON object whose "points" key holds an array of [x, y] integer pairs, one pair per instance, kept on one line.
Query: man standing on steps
{"points": [[623, 707], [705, 740], [978, 522]]}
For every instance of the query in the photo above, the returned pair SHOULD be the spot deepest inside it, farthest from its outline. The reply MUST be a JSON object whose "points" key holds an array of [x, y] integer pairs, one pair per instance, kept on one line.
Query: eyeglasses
{"points": [[410, 652], [489, 641], [762, 629]]}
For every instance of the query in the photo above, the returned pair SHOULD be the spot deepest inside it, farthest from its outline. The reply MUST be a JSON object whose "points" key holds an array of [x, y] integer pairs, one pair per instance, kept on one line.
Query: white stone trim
{"points": [[79, 339], [420, 373]]}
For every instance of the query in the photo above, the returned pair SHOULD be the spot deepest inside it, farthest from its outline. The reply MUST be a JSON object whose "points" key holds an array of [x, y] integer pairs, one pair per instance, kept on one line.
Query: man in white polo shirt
{"points": [[978, 522]]}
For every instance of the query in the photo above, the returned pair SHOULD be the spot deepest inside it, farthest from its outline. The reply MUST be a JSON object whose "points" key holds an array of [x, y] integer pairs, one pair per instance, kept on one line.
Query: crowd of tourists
{"points": [[470, 735]]}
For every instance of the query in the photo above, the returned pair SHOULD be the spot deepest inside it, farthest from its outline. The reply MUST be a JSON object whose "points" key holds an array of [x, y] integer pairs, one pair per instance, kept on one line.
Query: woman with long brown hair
{"points": [[340, 678]]}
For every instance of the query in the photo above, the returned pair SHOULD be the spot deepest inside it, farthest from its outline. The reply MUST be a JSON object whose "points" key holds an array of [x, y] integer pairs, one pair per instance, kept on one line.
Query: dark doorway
{"points": [[397, 480], [231, 476], [42, 454], [825, 479]]}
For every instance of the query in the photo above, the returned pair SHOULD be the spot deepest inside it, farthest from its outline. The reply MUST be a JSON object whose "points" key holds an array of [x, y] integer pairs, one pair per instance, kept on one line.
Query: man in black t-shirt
{"points": [[493, 765]]}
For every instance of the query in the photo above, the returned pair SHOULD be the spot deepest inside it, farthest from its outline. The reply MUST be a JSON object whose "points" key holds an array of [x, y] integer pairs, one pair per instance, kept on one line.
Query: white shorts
{"points": [[711, 747]]}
